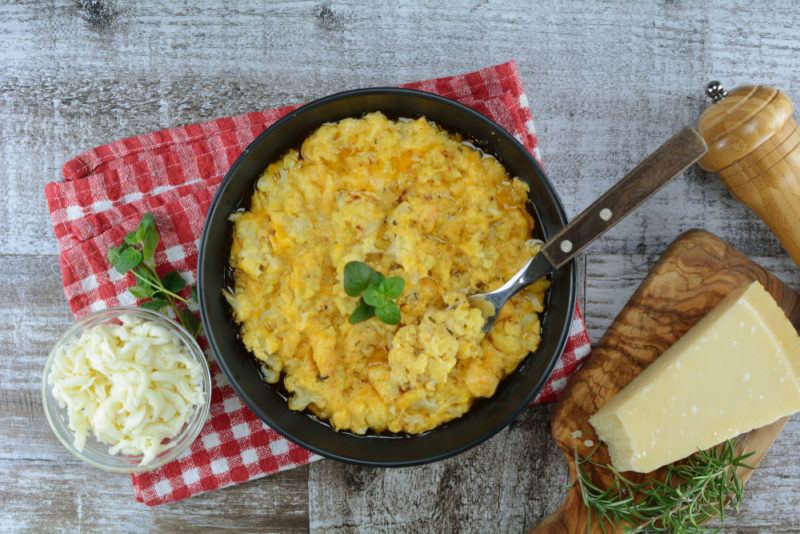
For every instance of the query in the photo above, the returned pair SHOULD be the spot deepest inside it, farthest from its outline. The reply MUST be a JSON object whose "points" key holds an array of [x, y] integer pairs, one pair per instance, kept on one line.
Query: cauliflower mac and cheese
{"points": [[410, 200]]}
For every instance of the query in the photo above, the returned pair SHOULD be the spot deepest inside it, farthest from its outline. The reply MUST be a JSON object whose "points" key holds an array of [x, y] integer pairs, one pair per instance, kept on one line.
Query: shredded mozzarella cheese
{"points": [[134, 385]]}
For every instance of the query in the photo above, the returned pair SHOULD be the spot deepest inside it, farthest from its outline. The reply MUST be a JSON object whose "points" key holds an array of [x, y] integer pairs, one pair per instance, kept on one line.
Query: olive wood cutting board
{"points": [[694, 274]]}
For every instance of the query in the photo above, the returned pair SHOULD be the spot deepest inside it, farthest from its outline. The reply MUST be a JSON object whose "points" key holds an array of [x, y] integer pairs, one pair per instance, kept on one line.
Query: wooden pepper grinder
{"points": [[754, 146]]}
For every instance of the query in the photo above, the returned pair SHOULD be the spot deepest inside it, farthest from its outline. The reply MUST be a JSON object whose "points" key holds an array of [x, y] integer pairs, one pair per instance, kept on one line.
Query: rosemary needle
{"points": [[688, 494]]}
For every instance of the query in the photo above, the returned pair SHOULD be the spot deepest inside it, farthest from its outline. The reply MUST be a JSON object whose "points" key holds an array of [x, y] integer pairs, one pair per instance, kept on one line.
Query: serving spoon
{"points": [[667, 162]]}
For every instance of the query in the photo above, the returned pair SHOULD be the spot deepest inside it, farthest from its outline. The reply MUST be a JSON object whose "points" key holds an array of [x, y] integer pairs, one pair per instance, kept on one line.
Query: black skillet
{"points": [[488, 416]]}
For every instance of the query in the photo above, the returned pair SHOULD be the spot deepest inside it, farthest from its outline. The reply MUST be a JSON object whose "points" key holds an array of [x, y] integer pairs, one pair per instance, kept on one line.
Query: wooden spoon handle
{"points": [[671, 159]]}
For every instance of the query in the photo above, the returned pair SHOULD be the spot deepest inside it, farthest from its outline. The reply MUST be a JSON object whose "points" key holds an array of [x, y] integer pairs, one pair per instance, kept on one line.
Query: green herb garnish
{"points": [[136, 254], [378, 293], [689, 493]]}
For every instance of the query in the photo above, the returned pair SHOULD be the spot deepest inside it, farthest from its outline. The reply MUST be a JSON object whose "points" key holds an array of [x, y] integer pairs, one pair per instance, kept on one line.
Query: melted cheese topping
{"points": [[410, 200], [133, 385]]}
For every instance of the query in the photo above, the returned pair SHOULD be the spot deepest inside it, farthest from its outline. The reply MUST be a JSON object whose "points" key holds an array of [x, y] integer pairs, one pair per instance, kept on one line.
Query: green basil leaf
{"points": [[155, 304], [392, 287], [363, 312], [189, 322], [357, 277], [194, 294], [127, 260], [173, 281], [389, 313], [374, 297], [149, 244]]}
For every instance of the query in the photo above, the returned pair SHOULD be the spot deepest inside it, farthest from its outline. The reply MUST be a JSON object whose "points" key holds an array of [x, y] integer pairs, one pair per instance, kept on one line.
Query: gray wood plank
{"points": [[69, 497], [607, 84], [33, 314], [507, 484]]}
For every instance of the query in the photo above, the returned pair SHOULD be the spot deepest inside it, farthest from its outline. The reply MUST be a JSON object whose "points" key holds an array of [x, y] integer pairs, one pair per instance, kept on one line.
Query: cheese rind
{"points": [[735, 370]]}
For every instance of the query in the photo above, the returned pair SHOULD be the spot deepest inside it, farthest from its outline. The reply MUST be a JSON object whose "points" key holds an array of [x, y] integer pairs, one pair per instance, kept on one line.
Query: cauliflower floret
{"points": [[323, 350], [405, 361], [426, 354], [480, 381]]}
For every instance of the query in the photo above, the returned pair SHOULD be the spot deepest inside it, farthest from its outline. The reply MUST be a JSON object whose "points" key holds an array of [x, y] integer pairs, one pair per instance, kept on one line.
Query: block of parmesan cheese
{"points": [[737, 369]]}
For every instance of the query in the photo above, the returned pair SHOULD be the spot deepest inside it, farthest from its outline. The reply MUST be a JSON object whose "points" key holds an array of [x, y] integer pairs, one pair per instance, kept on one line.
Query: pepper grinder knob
{"points": [[754, 146], [715, 91]]}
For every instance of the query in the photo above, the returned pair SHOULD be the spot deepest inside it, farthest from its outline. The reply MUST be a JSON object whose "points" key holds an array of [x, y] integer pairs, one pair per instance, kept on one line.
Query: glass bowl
{"points": [[96, 453]]}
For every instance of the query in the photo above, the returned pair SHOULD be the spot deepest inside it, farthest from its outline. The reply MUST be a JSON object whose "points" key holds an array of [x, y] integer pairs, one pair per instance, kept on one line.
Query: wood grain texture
{"points": [[68, 497], [696, 272], [515, 477], [607, 83]]}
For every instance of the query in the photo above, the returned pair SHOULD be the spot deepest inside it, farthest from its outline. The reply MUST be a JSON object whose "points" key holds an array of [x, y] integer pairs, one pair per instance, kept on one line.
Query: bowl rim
{"points": [[264, 415], [193, 427]]}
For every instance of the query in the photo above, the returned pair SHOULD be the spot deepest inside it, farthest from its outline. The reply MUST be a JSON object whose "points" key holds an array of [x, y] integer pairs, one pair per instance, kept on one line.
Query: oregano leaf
{"points": [[392, 287], [189, 321], [149, 244], [389, 313], [113, 255], [145, 225], [132, 238], [362, 312], [155, 304], [357, 277], [374, 297], [127, 260], [141, 292], [173, 282]]}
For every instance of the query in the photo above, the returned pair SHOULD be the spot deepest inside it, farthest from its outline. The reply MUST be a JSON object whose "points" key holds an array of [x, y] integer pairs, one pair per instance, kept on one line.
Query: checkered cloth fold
{"points": [[174, 173]]}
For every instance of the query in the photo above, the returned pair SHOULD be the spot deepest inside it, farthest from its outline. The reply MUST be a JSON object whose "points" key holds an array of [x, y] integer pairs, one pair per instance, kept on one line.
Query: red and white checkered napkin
{"points": [[174, 173]]}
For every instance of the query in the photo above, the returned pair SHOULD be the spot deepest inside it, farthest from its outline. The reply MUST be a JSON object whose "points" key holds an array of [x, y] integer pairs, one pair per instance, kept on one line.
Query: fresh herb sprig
{"points": [[378, 293], [136, 254], [689, 493]]}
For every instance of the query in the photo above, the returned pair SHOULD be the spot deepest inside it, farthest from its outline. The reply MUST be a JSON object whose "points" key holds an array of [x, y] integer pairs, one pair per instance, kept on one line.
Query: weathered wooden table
{"points": [[607, 84]]}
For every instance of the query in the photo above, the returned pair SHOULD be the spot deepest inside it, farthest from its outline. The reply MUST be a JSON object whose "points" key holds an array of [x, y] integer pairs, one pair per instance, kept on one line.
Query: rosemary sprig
{"points": [[688, 494]]}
